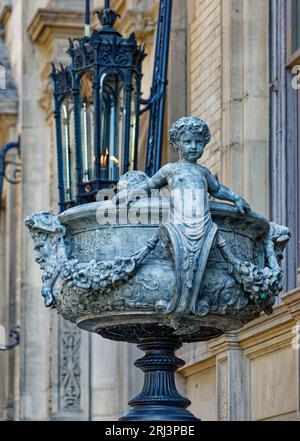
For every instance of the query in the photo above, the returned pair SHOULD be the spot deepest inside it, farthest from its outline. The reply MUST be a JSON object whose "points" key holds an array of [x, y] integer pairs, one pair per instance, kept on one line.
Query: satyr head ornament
{"points": [[192, 124], [45, 223]]}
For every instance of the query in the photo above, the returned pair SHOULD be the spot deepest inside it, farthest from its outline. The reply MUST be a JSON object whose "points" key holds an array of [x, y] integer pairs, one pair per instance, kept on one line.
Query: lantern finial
{"points": [[107, 16]]}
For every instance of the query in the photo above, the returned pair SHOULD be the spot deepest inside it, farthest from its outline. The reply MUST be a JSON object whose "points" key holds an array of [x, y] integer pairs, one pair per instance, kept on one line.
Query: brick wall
{"points": [[206, 73]]}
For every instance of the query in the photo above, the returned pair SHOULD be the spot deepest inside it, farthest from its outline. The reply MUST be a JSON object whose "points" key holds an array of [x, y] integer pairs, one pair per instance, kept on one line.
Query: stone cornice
{"points": [[266, 327], [292, 302], [8, 106], [142, 23], [259, 337], [60, 23], [224, 343], [199, 366], [5, 15]]}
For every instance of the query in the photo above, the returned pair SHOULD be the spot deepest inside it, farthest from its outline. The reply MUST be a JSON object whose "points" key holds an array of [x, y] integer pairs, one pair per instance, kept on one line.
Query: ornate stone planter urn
{"points": [[157, 271]]}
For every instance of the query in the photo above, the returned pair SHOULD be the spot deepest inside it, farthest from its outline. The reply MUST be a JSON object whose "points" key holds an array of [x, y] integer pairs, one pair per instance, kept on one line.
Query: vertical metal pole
{"points": [[77, 124], [87, 24], [158, 89], [60, 164], [164, 81], [137, 122], [127, 127], [97, 122], [154, 93]]}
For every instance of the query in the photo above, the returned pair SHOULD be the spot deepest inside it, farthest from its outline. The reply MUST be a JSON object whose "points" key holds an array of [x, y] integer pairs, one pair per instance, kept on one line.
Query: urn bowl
{"points": [[98, 234]]}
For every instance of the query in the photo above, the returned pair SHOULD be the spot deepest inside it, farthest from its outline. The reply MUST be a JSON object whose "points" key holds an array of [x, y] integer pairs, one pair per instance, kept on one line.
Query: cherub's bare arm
{"points": [[157, 181], [225, 194], [222, 192]]}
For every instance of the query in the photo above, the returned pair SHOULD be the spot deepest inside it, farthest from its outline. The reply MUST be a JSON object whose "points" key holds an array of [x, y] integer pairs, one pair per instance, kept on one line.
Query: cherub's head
{"points": [[189, 136]]}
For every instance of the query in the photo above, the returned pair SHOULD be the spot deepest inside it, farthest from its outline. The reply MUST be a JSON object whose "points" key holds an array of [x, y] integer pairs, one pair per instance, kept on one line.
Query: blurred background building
{"points": [[232, 62]]}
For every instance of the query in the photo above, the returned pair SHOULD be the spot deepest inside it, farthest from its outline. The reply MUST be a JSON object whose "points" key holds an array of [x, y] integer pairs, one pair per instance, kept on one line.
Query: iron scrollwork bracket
{"points": [[4, 163], [14, 335]]}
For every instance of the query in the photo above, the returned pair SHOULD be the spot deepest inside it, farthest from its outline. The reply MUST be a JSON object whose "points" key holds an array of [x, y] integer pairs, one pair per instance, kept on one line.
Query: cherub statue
{"points": [[189, 228]]}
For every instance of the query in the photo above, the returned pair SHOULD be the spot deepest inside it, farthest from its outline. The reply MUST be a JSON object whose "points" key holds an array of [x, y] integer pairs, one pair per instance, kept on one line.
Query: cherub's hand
{"points": [[242, 205], [126, 197]]}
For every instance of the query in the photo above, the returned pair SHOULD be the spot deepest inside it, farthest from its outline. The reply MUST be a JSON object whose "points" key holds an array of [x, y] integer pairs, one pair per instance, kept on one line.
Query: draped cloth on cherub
{"points": [[190, 240]]}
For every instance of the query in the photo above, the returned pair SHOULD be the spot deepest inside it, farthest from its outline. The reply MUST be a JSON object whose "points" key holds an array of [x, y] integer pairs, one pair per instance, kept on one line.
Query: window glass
{"points": [[68, 147], [295, 25], [87, 127], [112, 125]]}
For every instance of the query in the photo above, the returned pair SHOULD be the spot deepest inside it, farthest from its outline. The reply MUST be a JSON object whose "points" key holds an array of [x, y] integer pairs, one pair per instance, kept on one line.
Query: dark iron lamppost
{"points": [[14, 335], [4, 163], [98, 105]]}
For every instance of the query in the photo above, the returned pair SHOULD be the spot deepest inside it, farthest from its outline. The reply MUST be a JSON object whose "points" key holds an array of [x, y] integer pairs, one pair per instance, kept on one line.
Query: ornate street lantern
{"points": [[98, 105], [97, 111]]}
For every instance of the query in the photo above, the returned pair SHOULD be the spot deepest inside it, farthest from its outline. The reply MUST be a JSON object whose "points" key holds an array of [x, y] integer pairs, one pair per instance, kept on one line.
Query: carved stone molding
{"points": [[224, 344], [9, 95], [70, 372], [5, 14], [292, 301], [48, 24], [45, 92], [8, 123], [222, 369], [50, 29], [231, 377], [9, 107]]}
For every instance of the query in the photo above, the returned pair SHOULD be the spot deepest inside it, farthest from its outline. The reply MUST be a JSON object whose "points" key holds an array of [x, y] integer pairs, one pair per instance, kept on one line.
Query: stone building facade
{"points": [[232, 62]]}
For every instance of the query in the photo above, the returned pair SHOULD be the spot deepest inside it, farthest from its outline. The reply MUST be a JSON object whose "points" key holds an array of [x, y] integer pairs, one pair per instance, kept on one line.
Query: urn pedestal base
{"points": [[159, 400]]}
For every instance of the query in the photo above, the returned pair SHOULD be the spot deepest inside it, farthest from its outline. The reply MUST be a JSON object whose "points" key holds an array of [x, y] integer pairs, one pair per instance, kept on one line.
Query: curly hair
{"points": [[193, 124]]}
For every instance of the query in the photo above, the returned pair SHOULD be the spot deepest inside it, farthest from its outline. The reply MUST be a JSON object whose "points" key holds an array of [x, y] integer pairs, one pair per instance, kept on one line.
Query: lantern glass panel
{"points": [[68, 148], [112, 125], [87, 127]]}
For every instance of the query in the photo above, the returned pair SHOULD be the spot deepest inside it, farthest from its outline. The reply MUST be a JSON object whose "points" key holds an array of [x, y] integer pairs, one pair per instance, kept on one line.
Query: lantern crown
{"points": [[107, 17]]}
